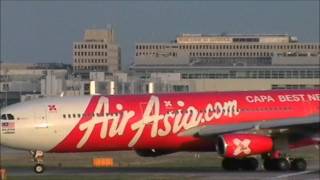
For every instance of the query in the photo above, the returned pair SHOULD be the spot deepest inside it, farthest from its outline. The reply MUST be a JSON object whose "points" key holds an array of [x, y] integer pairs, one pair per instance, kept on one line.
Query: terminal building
{"points": [[232, 62], [98, 51], [190, 63], [228, 46]]}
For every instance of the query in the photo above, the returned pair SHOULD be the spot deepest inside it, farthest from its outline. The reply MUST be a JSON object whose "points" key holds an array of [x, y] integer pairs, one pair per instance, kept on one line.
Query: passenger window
{"points": [[64, 116], [79, 115], [74, 115], [69, 116]]}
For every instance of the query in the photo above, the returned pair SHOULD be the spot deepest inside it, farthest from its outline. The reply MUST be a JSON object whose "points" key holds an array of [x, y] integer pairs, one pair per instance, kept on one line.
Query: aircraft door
{"points": [[52, 113], [40, 118]]}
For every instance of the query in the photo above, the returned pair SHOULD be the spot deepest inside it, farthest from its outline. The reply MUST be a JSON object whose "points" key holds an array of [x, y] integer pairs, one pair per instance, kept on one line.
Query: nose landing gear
{"points": [[37, 157]]}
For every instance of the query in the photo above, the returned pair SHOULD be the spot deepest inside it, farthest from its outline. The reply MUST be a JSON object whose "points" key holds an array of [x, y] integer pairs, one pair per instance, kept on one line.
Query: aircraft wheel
{"points": [[38, 168], [268, 164], [230, 164], [249, 164], [282, 164], [298, 164]]}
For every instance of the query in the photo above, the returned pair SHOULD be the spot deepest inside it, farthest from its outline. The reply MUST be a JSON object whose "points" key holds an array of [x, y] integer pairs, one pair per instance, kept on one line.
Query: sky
{"points": [[44, 31]]}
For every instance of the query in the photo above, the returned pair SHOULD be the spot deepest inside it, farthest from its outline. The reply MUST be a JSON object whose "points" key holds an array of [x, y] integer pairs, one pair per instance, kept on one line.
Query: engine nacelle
{"points": [[242, 145], [153, 152]]}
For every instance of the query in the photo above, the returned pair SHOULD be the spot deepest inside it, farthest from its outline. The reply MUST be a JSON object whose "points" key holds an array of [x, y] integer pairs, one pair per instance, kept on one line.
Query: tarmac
{"points": [[175, 173], [18, 165]]}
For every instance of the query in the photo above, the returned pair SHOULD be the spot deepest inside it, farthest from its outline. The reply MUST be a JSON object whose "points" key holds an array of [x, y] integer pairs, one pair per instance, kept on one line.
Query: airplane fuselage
{"points": [[152, 121]]}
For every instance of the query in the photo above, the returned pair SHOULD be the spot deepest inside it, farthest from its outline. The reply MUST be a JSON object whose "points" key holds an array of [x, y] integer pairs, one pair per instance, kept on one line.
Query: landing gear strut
{"points": [[37, 157], [247, 164]]}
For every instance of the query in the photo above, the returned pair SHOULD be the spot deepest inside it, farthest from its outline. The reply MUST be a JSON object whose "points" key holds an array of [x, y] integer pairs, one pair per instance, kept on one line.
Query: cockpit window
{"points": [[7, 117], [10, 116], [3, 117]]}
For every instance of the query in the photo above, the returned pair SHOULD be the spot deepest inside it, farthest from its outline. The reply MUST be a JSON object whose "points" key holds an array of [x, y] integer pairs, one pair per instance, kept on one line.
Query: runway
{"points": [[181, 165], [169, 173]]}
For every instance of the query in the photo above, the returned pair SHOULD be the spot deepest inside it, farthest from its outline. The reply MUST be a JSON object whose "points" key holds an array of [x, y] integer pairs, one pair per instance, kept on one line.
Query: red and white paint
{"points": [[153, 121]]}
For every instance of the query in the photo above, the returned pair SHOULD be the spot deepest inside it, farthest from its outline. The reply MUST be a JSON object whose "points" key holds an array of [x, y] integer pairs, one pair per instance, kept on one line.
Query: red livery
{"points": [[235, 124]]}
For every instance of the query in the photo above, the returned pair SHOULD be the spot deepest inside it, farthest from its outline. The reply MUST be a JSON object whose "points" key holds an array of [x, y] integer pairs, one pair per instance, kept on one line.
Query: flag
{"points": [[8, 125]]}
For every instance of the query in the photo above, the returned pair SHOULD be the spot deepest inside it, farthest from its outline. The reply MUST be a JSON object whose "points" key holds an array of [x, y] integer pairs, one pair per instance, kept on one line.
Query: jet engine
{"points": [[243, 145], [153, 152]]}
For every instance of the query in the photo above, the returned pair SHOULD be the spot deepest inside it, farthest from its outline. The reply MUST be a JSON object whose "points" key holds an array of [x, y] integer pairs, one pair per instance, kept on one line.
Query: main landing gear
{"points": [[269, 164], [283, 164], [233, 164], [280, 162], [37, 157]]}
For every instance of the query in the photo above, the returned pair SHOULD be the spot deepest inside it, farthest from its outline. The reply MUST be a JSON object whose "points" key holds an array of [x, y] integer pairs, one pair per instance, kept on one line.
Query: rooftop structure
{"points": [[98, 51], [234, 38], [223, 46], [21, 79], [230, 62]]}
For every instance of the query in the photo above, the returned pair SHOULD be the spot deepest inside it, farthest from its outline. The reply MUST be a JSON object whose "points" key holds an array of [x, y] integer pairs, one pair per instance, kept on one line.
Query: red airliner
{"points": [[237, 125]]}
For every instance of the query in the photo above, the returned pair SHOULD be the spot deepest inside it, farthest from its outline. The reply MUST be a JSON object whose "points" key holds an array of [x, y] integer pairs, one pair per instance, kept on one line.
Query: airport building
{"points": [[27, 81], [98, 51], [228, 46], [232, 62], [191, 63]]}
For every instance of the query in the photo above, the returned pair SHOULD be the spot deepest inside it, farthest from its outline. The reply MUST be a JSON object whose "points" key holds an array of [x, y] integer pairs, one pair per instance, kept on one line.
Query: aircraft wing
{"points": [[213, 130]]}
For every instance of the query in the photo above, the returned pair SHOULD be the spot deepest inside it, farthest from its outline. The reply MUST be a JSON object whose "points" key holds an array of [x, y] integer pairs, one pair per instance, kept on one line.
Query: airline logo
{"points": [[167, 104], [52, 108], [115, 124], [241, 146], [109, 121]]}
